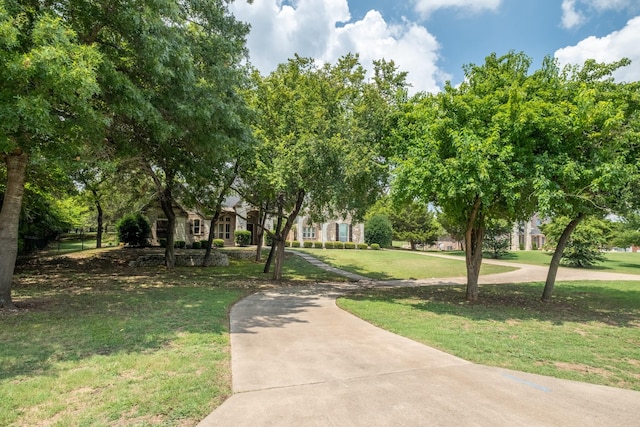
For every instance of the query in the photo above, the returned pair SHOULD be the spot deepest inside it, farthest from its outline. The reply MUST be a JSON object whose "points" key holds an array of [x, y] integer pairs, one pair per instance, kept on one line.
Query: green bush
{"points": [[134, 230], [287, 244], [180, 244], [218, 243], [329, 245], [349, 245], [195, 245], [268, 239], [375, 246], [338, 245], [308, 244], [363, 246], [242, 237], [378, 230], [295, 244], [163, 243]]}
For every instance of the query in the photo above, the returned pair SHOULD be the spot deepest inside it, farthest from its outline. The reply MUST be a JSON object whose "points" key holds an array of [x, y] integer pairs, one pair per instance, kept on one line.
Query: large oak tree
{"points": [[47, 88]]}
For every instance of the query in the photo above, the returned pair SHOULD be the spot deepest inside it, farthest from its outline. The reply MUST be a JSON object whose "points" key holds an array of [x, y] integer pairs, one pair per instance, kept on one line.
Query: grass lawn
{"points": [[391, 264], [590, 331], [98, 343], [615, 262]]}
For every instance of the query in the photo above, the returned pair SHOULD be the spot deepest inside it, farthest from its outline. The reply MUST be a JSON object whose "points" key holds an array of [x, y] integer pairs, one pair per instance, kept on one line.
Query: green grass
{"points": [[391, 264], [590, 331], [615, 262], [96, 345]]}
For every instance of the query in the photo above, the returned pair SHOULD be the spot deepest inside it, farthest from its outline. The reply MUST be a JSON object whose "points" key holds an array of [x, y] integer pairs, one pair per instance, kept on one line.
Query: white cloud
{"points": [[311, 28], [624, 43], [576, 12], [570, 16], [426, 7]]}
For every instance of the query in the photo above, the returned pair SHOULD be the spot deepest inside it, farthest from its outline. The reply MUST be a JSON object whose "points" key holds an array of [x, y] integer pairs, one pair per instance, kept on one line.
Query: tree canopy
{"points": [[320, 150], [47, 87], [469, 151]]}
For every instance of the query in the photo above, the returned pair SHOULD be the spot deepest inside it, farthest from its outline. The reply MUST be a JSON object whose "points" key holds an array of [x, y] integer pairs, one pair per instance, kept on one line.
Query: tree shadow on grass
{"points": [[73, 325], [508, 302]]}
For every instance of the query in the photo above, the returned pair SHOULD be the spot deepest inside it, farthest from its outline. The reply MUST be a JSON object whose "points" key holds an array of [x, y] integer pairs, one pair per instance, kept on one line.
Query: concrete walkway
{"points": [[298, 360]]}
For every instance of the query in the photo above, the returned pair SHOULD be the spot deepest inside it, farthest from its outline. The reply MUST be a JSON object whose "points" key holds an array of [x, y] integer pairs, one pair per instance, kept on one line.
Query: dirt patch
{"points": [[579, 367]]}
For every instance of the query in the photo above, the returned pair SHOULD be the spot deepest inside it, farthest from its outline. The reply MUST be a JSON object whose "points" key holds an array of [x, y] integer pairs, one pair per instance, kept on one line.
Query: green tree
{"points": [[469, 151], [134, 230], [587, 162], [171, 84], [585, 245], [378, 229], [319, 150], [47, 86], [497, 239], [627, 230], [414, 223]]}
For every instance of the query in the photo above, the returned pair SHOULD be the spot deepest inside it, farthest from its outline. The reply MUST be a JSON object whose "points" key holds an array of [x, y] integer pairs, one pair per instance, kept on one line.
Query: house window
{"points": [[224, 228], [343, 232], [197, 227], [309, 233], [161, 228]]}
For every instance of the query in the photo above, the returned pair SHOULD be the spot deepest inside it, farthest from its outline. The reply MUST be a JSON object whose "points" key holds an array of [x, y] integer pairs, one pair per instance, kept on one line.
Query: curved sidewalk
{"points": [[298, 360]]}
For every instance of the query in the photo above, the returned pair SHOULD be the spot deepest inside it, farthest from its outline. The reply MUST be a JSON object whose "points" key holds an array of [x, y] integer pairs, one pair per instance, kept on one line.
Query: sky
{"points": [[433, 39]]}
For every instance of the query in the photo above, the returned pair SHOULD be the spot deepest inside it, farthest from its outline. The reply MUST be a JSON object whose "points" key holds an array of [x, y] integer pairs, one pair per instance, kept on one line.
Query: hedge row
{"points": [[330, 245]]}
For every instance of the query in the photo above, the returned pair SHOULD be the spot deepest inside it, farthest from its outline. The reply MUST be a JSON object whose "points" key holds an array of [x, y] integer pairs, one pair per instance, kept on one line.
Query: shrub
{"points": [[349, 245], [287, 244], [363, 246], [134, 230], [163, 243], [180, 244], [268, 239], [218, 243], [329, 245], [338, 245], [242, 237], [195, 245], [308, 244], [375, 246], [295, 244], [378, 230]]}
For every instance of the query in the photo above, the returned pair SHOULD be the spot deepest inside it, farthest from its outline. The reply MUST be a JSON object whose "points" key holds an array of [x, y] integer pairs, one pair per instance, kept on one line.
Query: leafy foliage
{"points": [[497, 239], [242, 237], [469, 150], [378, 230], [134, 230], [584, 248]]}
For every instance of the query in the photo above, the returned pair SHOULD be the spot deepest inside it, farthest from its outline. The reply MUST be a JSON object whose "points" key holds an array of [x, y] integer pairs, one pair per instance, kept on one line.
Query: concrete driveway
{"points": [[298, 360]]}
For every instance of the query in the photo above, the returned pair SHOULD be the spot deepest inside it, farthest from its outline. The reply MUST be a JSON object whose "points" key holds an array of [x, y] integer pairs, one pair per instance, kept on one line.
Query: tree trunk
{"points": [[262, 215], [166, 202], [274, 244], [474, 235], [100, 220], [16, 164], [210, 237], [272, 251], [557, 256], [277, 272]]}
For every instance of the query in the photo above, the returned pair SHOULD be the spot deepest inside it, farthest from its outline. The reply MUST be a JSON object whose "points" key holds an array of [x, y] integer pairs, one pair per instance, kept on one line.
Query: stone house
{"points": [[193, 226]]}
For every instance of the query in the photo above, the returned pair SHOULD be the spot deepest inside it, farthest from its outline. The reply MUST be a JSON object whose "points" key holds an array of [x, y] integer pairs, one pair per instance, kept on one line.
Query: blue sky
{"points": [[433, 39]]}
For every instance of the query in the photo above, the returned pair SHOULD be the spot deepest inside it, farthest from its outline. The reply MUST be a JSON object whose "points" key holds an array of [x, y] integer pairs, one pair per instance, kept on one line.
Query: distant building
{"points": [[527, 235]]}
